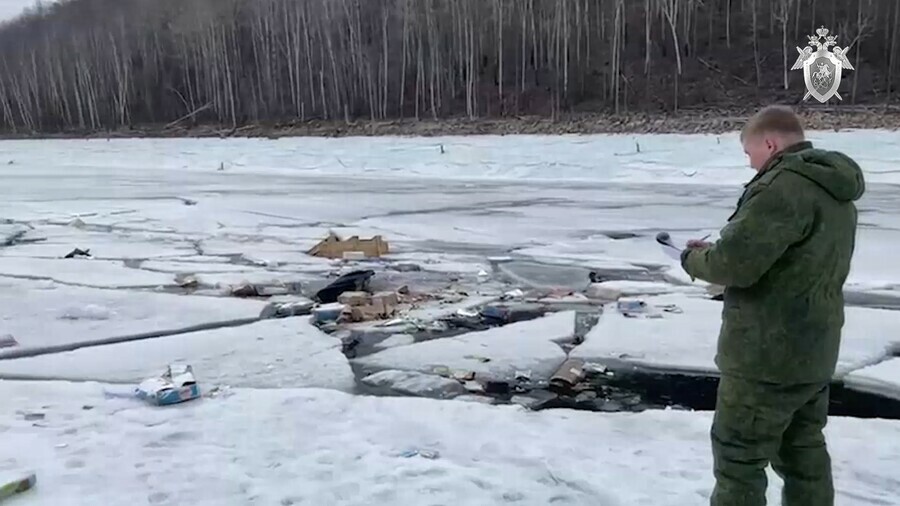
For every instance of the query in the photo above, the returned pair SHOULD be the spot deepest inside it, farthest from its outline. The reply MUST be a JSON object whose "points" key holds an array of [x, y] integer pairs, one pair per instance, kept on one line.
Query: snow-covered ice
{"points": [[686, 341], [268, 354], [41, 313], [880, 379], [309, 446]]}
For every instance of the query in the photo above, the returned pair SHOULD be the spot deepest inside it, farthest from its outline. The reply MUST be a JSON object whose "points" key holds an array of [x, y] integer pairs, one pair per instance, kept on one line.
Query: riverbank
{"points": [[685, 122]]}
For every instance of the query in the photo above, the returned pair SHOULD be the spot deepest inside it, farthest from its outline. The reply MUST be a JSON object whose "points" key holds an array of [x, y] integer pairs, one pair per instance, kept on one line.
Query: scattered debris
{"points": [[77, 252], [328, 312], [31, 417], [631, 307], [425, 454], [473, 386], [584, 323], [464, 376], [406, 267], [187, 202], [334, 247], [591, 368], [17, 486], [480, 399], [244, 289], [602, 292], [568, 375], [190, 281], [363, 307], [248, 289], [176, 385], [513, 294], [415, 383], [670, 308], [355, 281], [502, 314], [287, 309], [585, 396], [537, 399], [496, 387], [8, 341]]}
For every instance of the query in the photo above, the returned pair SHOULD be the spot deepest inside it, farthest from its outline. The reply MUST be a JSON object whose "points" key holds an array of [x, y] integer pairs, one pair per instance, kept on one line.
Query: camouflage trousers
{"points": [[757, 424]]}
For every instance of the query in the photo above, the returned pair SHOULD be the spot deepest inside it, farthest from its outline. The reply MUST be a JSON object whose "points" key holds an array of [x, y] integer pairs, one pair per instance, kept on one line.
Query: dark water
{"points": [[658, 390]]}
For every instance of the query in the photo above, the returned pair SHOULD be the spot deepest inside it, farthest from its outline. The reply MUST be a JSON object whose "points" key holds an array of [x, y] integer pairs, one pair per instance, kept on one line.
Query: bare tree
{"points": [[87, 65], [782, 15]]}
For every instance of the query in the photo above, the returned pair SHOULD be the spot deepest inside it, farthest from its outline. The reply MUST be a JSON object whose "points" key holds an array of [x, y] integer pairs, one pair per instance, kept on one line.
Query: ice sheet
{"points": [[549, 196], [880, 379], [523, 346], [311, 446], [687, 341], [41, 314], [83, 272], [269, 354]]}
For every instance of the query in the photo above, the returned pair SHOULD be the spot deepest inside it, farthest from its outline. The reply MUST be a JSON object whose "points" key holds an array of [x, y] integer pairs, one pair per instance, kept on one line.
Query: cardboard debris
{"points": [[353, 248], [328, 312], [176, 385], [376, 307], [568, 375], [354, 298]]}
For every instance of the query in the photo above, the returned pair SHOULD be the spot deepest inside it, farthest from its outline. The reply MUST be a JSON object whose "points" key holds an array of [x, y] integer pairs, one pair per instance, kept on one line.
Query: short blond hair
{"points": [[774, 119]]}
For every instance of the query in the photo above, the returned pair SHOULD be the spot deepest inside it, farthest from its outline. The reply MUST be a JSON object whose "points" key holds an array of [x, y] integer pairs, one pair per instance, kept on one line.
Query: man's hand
{"points": [[698, 244]]}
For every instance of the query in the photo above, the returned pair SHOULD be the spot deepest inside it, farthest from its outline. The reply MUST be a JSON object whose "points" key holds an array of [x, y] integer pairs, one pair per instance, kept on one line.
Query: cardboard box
{"points": [[388, 299], [334, 247], [365, 313], [176, 385], [355, 298]]}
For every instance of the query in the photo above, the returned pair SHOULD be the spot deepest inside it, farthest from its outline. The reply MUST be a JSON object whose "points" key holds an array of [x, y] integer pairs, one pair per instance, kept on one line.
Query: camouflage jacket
{"points": [[783, 258]]}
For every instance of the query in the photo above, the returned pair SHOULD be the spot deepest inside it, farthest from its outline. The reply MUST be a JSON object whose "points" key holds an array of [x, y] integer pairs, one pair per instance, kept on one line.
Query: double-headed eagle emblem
{"points": [[821, 67]]}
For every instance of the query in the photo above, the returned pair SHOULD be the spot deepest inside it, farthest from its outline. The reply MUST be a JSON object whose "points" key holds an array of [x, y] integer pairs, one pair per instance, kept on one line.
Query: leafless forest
{"points": [[94, 65]]}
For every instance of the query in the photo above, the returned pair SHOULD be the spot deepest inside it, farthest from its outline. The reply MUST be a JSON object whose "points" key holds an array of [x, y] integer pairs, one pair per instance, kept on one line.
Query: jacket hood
{"points": [[835, 172]]}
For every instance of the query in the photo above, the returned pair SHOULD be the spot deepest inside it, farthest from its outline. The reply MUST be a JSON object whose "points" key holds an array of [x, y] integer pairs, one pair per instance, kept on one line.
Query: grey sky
{"points": [[12, 8]]}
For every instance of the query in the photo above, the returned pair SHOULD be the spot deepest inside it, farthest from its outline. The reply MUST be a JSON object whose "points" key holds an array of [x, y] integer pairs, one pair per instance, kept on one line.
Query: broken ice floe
{"points": [[530, 345], [284, 353], [880, 379], [41, 314], [685, 340]]}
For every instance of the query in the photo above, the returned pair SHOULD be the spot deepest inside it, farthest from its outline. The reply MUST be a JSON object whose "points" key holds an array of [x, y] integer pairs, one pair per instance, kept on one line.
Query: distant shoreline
{"points": [[687, 122]]}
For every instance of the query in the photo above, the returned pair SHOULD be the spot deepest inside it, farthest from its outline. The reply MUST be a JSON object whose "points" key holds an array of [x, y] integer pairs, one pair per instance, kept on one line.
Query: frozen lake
{"points": [[222, 212]]}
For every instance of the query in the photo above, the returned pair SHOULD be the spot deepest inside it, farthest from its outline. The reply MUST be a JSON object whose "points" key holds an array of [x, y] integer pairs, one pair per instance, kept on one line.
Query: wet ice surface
{"points": [[882, 379], [154, 213]]}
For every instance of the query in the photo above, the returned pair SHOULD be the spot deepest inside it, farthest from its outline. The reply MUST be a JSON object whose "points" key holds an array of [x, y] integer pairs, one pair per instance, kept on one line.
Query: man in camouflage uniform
{"points": [[783, 258]]}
